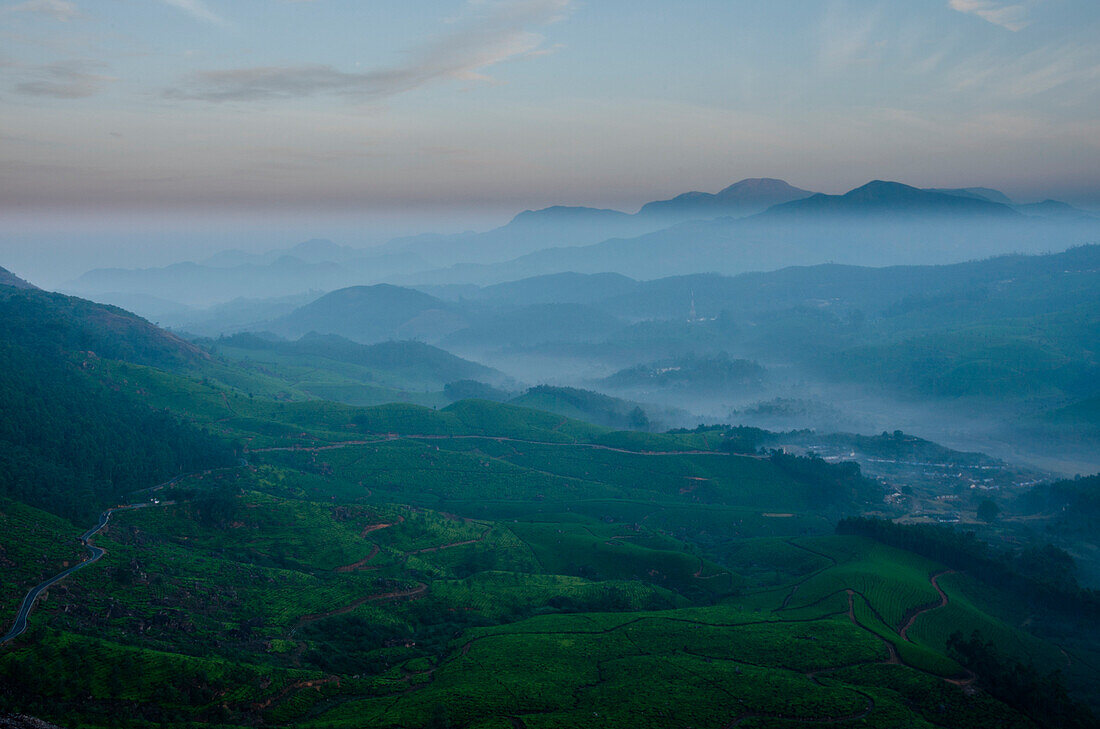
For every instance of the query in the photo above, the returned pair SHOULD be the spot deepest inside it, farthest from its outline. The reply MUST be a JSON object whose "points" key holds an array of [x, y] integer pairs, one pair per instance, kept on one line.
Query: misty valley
{"points": [[757, 458]]}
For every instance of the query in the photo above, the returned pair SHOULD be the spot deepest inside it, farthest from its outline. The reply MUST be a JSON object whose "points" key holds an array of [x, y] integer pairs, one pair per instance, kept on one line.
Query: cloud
{"points": [[198, 10], [1012, 17], [64, 80], [1072, 69], [850, 39], [488, 34], [56, 9]]}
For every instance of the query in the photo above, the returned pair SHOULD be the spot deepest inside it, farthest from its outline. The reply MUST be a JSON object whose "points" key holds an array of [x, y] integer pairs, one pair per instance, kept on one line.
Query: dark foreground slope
{"points": [[488, 565], [69, 443]]}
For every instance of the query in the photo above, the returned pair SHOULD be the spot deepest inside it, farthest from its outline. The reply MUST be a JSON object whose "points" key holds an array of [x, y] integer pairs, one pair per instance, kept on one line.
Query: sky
{"points": [[205, 119]]}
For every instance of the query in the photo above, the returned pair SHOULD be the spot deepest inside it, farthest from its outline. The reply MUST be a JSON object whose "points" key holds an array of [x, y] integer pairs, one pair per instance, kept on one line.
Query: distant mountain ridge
{"points": [[1053, 209], [197, 285], [314, 250], [740, 199], [753, 224], [584, 308], [878, 224], [984, 193], [568, 226], [891, 198], [528, 231]]}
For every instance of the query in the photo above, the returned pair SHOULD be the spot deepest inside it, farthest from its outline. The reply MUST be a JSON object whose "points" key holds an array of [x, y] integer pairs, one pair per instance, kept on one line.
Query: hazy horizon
{"points": [[184, 127], [54, 249], [195, 108]]}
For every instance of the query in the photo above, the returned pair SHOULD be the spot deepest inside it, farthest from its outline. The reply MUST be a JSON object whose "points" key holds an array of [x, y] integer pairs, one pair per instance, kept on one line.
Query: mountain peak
{"points": [[884, 189], [564, 214], [893, 198], [761, 186], [746, 197]]}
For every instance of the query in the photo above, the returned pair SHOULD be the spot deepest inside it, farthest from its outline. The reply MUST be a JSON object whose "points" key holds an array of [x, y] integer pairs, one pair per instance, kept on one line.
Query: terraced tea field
{"points": [[522, 572]]}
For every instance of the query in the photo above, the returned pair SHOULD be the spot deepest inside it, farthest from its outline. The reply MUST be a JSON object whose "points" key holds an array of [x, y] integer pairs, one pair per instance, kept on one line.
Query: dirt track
{"points": [[361, 564], [498, 439], [904, 632]]}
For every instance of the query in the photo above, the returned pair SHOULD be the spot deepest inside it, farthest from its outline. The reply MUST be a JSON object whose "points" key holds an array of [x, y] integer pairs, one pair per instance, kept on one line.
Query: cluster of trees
{"points": [[596, 407], [474, 390], [713, 372], [1045, 576], [350, 644], [903, 447], [831, 484], [217, 508], [742, 439], [1042, 697], [1077, 502]]}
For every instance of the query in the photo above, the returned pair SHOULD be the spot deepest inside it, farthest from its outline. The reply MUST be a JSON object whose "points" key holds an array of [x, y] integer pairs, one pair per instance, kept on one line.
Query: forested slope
{"points": [[69, 444]]}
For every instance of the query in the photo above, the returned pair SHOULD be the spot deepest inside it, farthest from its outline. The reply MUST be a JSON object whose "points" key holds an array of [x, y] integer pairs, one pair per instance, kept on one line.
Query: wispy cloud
{"points": [[198, 10], [1011, 16], [57, 9], [1072, 69], [848, 38], [64, 80], [488, 34]]}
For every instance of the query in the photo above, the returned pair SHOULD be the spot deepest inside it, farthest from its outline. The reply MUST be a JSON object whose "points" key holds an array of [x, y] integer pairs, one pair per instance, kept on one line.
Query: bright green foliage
{"points": [[893, 582], [406, 567]]}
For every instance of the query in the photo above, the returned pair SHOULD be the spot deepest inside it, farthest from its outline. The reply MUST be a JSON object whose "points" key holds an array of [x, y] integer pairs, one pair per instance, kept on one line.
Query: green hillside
{"points": [[586, 405], [371, 314], [478, 565], [70, 443], [331, 367]]}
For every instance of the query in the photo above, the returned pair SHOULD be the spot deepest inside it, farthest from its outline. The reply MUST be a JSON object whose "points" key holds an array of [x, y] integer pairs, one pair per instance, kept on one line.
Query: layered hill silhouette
{"points": [[740, 199], [574, 305], [528, 231], [893, 199], [878, 224], [982, 193], [564, 226], [198, 285], [373, 314], [754, 224], [408, 361]]}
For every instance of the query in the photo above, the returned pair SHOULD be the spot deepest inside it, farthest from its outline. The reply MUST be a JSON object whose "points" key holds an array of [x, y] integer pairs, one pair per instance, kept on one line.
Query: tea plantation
{"points": [[486, 566]]}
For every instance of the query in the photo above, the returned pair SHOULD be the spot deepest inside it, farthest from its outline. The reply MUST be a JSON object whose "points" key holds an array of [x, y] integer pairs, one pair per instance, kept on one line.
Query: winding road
{"points": [[94, 554], [499, 439]]}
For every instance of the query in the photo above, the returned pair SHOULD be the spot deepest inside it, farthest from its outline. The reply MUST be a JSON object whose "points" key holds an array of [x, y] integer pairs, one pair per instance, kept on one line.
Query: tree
{"points": [[988, 510], [440, 718]]}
